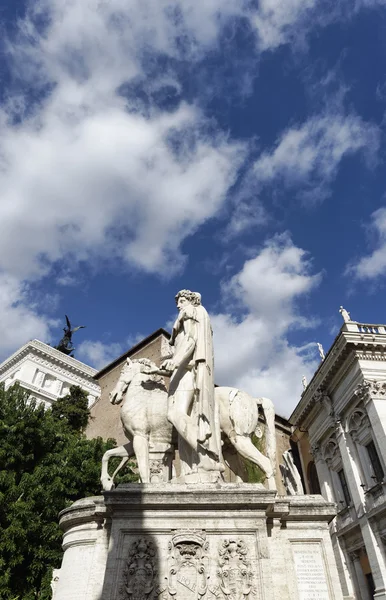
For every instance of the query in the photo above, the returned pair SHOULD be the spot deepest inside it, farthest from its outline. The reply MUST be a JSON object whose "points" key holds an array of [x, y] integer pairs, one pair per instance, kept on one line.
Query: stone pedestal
{"points": [[198, 542]]}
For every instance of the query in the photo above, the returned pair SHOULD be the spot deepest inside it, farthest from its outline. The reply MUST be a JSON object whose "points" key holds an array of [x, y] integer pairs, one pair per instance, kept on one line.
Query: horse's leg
{"points": [[125, 452], [245, 447], [270, 435], [233, 461], [141, 449]]}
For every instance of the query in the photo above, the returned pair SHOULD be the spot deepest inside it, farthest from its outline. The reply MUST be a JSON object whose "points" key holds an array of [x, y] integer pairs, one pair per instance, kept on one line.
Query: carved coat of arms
{"points": [[139, 576], [188, 564], [234, 570]]}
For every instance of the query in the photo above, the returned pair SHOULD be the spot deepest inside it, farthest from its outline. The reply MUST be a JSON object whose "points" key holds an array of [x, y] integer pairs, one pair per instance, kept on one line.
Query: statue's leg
{"points": [[245, 447], [179, 406], [270, 434], [141, 450], [124, 452]]}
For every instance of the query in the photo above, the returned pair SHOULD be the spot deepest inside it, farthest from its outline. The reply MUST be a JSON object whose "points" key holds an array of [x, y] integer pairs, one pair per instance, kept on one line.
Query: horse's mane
{"points": [[149, 363]]}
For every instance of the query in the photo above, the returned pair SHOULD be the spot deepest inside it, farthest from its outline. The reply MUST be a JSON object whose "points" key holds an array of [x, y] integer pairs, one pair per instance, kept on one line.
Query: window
{"points": [[375, 462], [344, 486]]}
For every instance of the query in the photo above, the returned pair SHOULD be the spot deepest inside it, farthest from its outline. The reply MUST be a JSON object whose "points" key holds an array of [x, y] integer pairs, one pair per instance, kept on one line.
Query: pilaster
{"points": [[364, 592]]}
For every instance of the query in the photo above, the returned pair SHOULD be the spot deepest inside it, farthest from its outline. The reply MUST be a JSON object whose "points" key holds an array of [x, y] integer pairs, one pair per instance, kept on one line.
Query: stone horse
{"points": [[144, 418]]}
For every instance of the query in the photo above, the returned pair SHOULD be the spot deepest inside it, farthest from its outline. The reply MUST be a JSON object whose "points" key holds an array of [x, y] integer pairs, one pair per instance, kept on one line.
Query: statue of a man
{"points": [[191, 406], [345, 314], [321, 351]]}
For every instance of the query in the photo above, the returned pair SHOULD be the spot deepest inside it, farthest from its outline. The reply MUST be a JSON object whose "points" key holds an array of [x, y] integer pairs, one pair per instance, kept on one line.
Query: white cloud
{"points": [[253, 353], [279, 22], [20, 320], [88, 172], [97, 353], [373, 265], [308, 156]]}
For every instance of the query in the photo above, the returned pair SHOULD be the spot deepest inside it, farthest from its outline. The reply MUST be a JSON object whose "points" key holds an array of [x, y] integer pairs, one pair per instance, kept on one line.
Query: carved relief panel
{"points": [[188, 566], [235, 570], [140, 572]]}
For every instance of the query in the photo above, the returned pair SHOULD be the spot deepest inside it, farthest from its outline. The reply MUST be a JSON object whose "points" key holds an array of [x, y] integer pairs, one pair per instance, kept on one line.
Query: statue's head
{"points": [[191, 297]]}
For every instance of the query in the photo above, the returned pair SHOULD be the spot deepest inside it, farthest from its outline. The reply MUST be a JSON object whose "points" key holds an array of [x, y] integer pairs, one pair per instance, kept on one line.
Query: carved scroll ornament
{"points": [[235, 570], [139, 575]]}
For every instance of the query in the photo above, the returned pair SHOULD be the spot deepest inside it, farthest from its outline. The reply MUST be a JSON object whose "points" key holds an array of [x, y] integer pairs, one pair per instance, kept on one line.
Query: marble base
{"points": [[197, 542]]}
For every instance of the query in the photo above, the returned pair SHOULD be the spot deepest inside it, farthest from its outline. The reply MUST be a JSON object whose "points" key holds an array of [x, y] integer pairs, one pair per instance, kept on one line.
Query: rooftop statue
{"points": [[321, 351], [65, 344], [345, 314]]}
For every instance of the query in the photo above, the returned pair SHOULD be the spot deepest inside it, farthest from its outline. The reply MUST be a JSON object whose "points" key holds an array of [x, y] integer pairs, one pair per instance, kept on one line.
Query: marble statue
{"points": [[345, 314], [144, 415], [192, 406], [321, 351], [65, 344], [290, 475], [304, 382]]}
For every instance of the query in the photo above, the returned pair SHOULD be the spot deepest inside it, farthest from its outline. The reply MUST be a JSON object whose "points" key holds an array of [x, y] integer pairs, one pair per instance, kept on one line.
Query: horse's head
{"points": [[146, 368], [130, 370]]}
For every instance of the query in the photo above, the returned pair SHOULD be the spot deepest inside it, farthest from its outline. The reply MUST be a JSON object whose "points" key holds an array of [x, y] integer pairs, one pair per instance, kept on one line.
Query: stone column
{"points": [[351, 470], [85, 545], [376, 558], [363, 588], [344, 565], [324, 475]]}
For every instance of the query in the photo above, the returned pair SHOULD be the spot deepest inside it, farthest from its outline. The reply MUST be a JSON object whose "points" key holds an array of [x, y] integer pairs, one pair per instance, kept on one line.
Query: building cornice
{"points": [[44, 351], [362, 341]]}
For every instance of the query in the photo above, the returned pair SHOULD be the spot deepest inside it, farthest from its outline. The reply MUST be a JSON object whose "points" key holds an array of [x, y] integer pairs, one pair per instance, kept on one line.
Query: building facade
{"points": [[340, 430], [47, 373]]}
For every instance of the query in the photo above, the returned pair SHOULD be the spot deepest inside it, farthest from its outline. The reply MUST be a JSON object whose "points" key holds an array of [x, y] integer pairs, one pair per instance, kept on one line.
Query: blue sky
{"points": [[231, 147]]}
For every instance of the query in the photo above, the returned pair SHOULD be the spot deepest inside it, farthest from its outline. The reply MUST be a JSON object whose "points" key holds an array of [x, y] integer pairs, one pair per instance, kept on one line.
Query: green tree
{"points": [[46, 463], [73, 408]]}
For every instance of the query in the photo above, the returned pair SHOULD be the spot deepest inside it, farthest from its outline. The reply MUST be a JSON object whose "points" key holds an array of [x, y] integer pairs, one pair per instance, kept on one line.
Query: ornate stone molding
{"points": [[370, 388], [36, 348], [321, 396], [331, 453], [188, 565], [316, 452], [69, 374], [234, 570], [358, 425], [140, 572]]}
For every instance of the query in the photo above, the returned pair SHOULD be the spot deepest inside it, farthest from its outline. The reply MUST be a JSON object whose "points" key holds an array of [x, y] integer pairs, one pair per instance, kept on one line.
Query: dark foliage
{"points": [[46, 463], [73, 408]]}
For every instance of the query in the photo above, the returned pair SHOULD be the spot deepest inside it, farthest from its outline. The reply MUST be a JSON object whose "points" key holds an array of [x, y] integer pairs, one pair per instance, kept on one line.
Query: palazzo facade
{"points": [[340, 429]]}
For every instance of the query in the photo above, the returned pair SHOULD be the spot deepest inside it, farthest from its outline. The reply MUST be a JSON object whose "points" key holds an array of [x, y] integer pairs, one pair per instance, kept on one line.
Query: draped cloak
{"points": [[202, 362]]}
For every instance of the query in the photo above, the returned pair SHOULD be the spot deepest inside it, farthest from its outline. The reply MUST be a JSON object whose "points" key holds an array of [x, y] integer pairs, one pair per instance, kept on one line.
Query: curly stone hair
{"points": [[192, 297]]}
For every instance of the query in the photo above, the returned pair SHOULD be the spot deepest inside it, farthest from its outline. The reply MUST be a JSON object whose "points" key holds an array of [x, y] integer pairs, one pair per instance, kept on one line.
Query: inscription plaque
{"points": [[310, 572]]}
